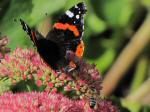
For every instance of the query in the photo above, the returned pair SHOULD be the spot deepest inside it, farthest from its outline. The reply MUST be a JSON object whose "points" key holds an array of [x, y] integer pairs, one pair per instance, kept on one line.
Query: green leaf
{"points": [[132, 106], [32, 11], [116, 12], [95, 24], [4, 85], [71, 3], [103, 62], [146, 3], [146, 108], [47, 6]]}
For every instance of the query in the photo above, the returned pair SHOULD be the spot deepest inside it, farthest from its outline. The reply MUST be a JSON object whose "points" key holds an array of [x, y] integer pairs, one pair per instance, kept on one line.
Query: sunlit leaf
{"points": [[95, 24], [32, 11], [116, 12]]}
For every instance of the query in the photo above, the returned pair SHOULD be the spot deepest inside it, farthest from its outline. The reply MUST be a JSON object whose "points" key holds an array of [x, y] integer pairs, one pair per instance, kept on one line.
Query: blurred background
{"points": [[117, 40]]}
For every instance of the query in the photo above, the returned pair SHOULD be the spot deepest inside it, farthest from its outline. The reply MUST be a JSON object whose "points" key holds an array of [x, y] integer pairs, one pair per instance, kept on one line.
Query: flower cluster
{"points": [[25, 65], [3, 48], [87, 75], [26, 71], [47, 102]]}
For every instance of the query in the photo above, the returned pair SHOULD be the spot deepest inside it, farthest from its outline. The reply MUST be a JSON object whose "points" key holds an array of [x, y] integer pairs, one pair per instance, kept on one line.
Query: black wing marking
{"points": [[34, 35], [75, 17]]}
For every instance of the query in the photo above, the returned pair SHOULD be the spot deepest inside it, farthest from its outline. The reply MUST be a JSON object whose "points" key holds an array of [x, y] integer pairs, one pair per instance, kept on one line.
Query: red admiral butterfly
{"points": [[65, 35]]}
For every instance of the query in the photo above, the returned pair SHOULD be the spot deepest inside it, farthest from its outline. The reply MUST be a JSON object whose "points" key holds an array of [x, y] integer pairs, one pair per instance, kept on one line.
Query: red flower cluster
{"points": [[26, 64], [47, 102]]}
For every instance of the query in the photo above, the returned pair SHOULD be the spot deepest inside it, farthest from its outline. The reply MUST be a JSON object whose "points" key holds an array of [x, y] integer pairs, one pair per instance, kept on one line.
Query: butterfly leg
{"points": [[68, 69]]}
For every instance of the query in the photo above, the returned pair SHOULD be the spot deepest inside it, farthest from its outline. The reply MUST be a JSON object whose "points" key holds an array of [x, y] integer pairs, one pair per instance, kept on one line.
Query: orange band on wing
{"points": [[80, 50], [66, 26], [79, 53]]}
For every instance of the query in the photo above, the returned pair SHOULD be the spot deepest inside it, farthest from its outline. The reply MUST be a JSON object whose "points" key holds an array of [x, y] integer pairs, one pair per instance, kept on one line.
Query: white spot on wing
{"points": [[26, 28], [69, 13], [82, 34], [83, 27], [77, 16]]}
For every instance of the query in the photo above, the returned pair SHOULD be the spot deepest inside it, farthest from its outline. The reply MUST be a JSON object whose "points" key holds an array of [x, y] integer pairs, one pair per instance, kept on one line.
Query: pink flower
{"points": [[7, 58], [78, 87], [24, 77], [82, 82], [40, 73], [35, 61], [62, 77], [47, 78], [22, 68], [54, 90], [39, 83], [48, 102], [50, 84], [26, 64], [68, 88]]}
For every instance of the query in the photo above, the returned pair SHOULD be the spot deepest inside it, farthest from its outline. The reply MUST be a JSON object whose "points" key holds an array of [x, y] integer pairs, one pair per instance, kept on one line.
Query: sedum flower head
{"points": [[47, 102], [26, 71]]}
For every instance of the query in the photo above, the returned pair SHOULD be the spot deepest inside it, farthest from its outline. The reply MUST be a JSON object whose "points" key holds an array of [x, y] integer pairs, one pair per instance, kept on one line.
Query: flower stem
{"points": [[138, 42]]}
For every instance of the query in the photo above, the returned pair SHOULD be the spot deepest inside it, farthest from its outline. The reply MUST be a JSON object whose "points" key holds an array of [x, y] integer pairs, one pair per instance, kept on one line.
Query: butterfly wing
{"points": [[68, 31], [66, 35], [48, 50], [70, 28], [34, 35], [72, 22]]}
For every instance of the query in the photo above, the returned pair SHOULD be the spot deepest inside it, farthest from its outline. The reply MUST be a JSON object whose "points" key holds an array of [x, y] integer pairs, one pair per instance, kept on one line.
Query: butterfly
{"points": [[66, 35]]}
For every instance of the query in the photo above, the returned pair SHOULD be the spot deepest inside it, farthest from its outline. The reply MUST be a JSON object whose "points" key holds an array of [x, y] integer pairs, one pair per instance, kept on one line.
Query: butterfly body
{"points": [[65, 35]]}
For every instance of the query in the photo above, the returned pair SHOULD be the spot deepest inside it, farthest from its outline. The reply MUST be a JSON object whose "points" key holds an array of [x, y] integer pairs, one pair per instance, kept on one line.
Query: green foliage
{"points": [[146, 3], [32, 12], [105, 60], [4, 85], [132, 106], [95, 24], [117, 13], [145, 109]]}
